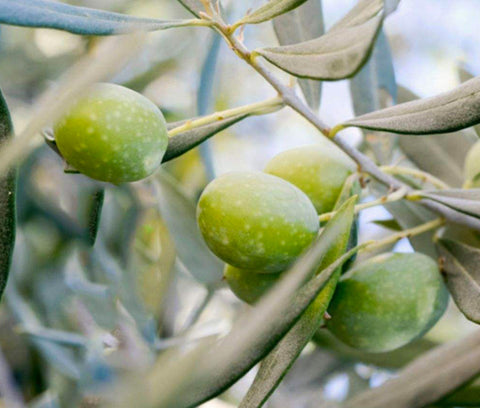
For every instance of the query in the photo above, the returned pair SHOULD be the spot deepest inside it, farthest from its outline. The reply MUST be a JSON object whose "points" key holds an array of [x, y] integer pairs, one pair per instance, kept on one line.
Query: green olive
{"points": [[472, 166], [318, 170], [388, 301], [112, 134], [256, 221], [248, 285]]}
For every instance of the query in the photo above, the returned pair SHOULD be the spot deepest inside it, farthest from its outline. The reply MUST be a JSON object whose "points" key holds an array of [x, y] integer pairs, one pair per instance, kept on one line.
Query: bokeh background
{"points": [[431, 42]]}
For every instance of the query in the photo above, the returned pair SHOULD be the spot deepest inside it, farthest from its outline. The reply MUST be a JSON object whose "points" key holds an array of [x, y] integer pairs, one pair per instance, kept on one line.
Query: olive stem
{"points": [[419, 174], [395, 196], [258, 108], [436, 223]]}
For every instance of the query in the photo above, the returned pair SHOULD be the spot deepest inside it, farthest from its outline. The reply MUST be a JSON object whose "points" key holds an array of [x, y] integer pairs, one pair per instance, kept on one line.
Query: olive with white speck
{"points": [[318, 170], [112, 134], [388, 301], [253, 220]]}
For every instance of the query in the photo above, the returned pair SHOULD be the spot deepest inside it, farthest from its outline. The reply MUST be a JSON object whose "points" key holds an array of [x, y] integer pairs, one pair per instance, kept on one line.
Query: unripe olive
{"points": [[387, 301], [472, 166], [256, 221], [318, 170], [248, 285], [112, 134]]}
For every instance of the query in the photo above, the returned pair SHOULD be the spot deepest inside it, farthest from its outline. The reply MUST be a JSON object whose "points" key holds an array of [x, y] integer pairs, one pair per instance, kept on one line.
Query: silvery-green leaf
{"points": [[302, 24], [194, 6], [75, 19], [339, 53], [7, 201], [466, 75], [179, 213], [446, 152], [465, 201], [427, 379], [461, 268], [274, 367], [270, 10], [453, 110]]}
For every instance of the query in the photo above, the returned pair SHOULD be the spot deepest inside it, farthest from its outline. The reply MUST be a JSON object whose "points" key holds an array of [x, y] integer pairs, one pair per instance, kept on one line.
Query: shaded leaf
{"points": [[453, 110], [465, 201], [432, 376], [270, 10], [94, 214], [75, 19], [461, 268], [179, 213], [339, 53], [390, 224], [446, 152], [274, 367], [302, 24], [7, 201]]}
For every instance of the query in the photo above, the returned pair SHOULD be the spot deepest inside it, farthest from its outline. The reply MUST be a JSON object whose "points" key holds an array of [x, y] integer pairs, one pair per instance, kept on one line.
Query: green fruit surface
{"points": [[247, 285], [472, 165], [318, 170], [387, 301], [253, 220], [112, 134]]}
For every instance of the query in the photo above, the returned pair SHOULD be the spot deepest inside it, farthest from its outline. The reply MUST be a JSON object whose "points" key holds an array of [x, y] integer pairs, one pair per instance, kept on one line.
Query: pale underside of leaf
{"points": [[270, 10], [466, 201], [75, 19], [447, 112], [461, 268], [338, 54]]}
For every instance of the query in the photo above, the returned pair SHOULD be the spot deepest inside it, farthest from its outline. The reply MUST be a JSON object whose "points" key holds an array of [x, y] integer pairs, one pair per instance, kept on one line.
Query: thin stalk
{"points": [[419, 174], [258, 108]]}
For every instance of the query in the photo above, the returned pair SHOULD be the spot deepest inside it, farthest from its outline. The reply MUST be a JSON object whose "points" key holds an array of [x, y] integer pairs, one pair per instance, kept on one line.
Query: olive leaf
{"points": [[390, 223], [274, 367], [427, 379], [270, 10], [194, 6], [179, 213], [466, 75], [77, 20], [302, 24], [339, 53], [94, 214], [461, 268], [259, 329], [7, 201], [465, 201], [185, 141], [447, 112]]}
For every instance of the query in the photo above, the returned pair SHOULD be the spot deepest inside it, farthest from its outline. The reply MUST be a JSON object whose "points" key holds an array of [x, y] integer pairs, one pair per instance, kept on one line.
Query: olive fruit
{"points": [[248, 285], [253, 220], [113, 134], [387, 301], [318, 170], [472, 166]]}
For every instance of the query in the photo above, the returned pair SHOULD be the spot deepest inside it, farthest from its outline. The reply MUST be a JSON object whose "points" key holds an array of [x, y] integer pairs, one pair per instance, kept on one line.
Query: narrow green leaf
{"points": [[94, 214], [465, 201], [461, 268], [302, 24], [274, 367], [194, 6], [391, 224], [179, 213], [339, 53], [7, 201], [429, 378], [75, 19], [447, 112], [270, 10], [446, 152]]}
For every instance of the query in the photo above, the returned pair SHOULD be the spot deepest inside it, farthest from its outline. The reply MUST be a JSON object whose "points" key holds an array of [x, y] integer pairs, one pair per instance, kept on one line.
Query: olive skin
{"points": [[318, 170], [247, 285], [112, 134], [387, 301], [256, 221], [472, 166]]}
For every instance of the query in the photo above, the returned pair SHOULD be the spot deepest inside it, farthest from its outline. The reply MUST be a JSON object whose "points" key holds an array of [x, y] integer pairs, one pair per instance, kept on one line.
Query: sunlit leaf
{"points": [[339, 53], [302, 24], [270, 10], [75, 19], [453, 110], [179, 213], [7, 202], [461, 268]]}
